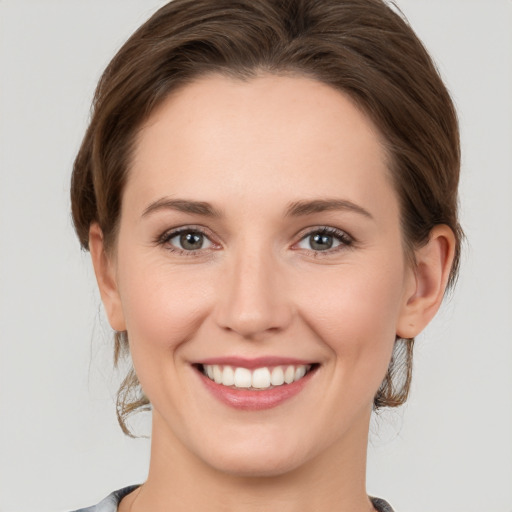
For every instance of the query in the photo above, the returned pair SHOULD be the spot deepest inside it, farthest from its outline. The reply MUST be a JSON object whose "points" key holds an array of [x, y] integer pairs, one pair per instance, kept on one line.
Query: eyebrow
{"points": [[182, 205], [299, 208], [295, 209]]}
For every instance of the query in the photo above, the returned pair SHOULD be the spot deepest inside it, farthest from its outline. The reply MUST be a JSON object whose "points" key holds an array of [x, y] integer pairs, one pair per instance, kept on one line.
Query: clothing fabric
{"points": [[111, 502]]}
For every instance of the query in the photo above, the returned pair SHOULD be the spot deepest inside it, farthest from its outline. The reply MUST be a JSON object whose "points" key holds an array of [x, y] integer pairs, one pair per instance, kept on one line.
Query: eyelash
{"points": [[344, 239], [165, 238]]}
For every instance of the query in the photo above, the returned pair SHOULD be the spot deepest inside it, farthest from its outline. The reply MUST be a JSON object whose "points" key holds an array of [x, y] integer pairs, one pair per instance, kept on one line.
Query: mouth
{"points": [[254, 385], [257, 379]]}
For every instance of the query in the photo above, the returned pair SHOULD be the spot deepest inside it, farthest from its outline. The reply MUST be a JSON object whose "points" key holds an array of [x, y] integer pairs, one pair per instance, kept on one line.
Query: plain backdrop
{"points": [[448, 450]]}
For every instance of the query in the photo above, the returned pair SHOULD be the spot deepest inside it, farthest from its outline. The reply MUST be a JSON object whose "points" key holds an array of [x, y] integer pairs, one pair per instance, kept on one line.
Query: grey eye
{"points": [[324, 240], [190, 241], [321, 242]]}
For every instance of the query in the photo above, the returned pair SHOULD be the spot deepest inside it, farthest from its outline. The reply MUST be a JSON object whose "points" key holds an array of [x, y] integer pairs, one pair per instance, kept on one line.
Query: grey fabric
{"points": [[111, 502], [381, 505]]}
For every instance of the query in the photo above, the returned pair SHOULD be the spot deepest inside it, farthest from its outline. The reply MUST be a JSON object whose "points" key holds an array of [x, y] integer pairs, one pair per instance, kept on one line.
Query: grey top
{"points": [[111, 502]]}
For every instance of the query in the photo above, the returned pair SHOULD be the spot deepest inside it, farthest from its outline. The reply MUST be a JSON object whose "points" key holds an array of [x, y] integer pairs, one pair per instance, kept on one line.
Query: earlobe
{"points": [[432, 270], [106, 278]]}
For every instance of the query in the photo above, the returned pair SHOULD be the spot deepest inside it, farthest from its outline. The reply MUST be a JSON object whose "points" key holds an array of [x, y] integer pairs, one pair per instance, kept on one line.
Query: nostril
{"points": [[257, 323]]}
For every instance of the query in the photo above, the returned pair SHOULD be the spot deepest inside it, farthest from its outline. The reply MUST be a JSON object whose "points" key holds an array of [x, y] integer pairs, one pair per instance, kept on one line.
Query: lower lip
{"points": [[249, 400]]}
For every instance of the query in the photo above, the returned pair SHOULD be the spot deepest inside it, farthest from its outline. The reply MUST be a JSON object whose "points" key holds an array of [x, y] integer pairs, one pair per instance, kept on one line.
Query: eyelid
{"points": [[169, 234], [346, 240]]}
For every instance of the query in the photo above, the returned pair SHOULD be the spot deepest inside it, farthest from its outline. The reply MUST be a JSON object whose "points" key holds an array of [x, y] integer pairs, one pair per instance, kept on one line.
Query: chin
{"points": [[262, 458], [259, 466]]}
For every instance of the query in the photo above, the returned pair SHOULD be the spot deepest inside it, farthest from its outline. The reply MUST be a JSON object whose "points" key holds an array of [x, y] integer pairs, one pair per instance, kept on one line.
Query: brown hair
{"points": [[360, 47]]}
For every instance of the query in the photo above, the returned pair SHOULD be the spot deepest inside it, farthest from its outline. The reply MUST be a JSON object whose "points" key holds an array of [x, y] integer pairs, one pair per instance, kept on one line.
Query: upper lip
{"points": [[251, 363]]}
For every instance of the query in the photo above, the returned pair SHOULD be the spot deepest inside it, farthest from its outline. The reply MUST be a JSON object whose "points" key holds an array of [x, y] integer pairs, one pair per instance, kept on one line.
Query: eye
{"points": [[187, 240], [325, 239]]}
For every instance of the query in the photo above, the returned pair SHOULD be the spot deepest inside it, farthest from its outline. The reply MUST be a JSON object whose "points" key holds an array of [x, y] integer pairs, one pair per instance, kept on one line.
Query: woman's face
{"points": [[259, 232]]}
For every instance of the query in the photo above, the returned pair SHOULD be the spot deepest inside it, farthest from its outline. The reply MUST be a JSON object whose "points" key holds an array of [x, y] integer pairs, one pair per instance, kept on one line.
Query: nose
{"points": [[253, 301]]}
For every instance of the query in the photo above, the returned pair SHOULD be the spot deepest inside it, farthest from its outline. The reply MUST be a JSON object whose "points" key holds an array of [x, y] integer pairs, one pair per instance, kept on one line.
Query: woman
{"points": [[269, 194]]}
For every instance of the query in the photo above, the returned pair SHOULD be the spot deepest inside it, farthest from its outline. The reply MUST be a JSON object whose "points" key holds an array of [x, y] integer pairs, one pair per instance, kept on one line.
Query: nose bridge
{"points": [[253, 299]]}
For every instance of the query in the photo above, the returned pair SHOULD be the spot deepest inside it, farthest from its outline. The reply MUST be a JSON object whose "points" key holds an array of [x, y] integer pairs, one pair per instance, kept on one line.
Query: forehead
{"points": [[268, 136]]}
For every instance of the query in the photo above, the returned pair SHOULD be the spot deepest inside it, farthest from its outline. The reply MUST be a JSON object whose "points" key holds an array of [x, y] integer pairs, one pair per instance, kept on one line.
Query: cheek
{"points": [[354, 301], [163, 310], [162, 306], [355, 314]]}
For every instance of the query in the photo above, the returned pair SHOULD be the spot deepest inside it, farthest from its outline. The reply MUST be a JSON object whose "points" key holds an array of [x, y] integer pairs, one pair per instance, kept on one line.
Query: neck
{"points": [[180, 481]]}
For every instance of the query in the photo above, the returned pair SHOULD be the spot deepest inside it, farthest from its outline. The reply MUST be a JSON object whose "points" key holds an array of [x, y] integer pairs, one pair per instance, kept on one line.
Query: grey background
{"points": [[448, 450]]}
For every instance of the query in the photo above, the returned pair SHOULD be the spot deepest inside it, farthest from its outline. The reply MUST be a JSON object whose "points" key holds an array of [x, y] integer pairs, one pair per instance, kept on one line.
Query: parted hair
{"points": [[363, 48]]}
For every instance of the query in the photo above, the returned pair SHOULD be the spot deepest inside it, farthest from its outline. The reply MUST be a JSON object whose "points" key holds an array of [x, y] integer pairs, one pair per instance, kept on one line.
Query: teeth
{"points": [[217, 374], [259, 378], [277, 377], [242, 378], [300, 372], [289, 374], [228, 376]]}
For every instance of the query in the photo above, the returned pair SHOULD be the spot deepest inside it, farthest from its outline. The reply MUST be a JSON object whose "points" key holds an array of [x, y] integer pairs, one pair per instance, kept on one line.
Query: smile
{"points": [[257, 384], [263, 378]]}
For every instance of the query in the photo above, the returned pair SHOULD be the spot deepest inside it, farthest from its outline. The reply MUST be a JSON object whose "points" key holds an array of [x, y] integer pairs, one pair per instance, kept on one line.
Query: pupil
{"points": [[321, 242], [191, 241]]}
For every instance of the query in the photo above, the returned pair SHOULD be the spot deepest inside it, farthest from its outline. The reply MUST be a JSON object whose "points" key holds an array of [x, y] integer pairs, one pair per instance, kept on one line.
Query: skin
{"points": [[257, 287]]}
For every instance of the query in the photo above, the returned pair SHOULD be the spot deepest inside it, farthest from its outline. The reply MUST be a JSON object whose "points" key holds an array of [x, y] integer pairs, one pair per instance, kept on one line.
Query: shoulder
{"points": [[111, 502], [381, 505]]}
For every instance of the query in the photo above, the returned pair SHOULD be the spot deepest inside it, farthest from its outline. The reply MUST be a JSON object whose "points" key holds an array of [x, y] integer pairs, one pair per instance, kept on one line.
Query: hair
{"points": [[362, 48]]}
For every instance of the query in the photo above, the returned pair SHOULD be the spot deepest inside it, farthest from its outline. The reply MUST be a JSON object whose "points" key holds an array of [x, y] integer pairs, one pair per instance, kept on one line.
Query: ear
{"points": [[428, 284], [104, 268]]}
